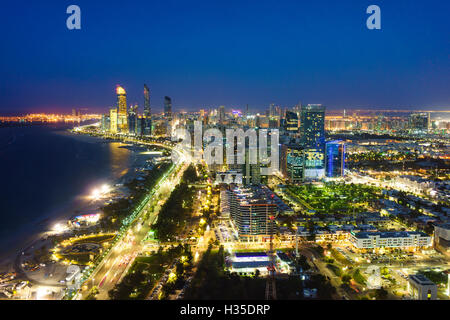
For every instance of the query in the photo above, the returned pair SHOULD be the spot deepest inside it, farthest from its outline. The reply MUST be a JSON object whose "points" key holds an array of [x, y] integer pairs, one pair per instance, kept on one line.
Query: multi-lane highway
{"points": [[113, 266]]}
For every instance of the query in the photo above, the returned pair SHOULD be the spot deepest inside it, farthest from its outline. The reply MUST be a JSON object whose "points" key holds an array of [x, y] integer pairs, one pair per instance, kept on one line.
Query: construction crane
{"points": [[271, 292]]}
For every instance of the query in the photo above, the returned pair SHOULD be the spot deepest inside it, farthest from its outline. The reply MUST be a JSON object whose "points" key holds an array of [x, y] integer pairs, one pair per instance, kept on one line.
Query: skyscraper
{"points": [[168, 107], [292, 163], [113, 120], [168, 115], [105, 123], [132, 119], [121, 100], [222, 115], [147, 112], [291, 122], [313, 140], [313, 126], [335, 158], [140, 123], [121, 109]]}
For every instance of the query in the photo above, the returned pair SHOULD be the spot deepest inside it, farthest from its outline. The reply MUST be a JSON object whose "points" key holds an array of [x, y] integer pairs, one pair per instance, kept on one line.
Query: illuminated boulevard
{"points": [[121, 256]]}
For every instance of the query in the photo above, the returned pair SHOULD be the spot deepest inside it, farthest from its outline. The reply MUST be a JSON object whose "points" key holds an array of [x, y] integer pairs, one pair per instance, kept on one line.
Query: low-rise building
{"points": [[391, 239], [244, 263], [442, 237], [421, 288]]}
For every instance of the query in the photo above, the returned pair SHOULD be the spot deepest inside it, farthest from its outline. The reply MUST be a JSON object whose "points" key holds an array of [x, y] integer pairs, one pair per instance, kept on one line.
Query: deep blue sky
{"points": [[209, 53]]}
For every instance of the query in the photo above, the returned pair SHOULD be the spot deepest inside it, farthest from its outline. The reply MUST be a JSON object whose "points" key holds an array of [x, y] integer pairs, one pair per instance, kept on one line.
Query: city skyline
{"points": [[203, 151], [208, 54]]}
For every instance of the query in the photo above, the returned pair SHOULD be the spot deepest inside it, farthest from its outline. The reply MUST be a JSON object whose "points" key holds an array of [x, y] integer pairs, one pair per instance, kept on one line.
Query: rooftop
{"points": [[389, 234], [421, 279], [258, 194], [250, 254], [250, 264], [445, 226]]}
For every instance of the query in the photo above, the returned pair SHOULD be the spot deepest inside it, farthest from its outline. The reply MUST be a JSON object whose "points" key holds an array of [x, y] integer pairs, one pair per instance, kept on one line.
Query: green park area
{"points": [[147, 270], [334, 198], [176, 211]]}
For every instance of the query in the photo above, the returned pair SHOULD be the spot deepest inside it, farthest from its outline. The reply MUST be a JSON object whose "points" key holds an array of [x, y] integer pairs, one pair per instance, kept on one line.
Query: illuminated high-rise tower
{"points": [[121, 100], [122, 123], [313, 140], [313, 126], [168, 115], [132, 119], [335, 158], [291, 122], [147, 110], [113, 120], [147, 119]]}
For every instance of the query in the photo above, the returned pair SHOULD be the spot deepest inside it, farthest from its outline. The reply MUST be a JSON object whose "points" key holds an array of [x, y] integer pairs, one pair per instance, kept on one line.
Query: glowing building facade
{"points": [[250, 211], [313, 140], [113, 117], [335, 158], [147, 130], [291, 122], [122, 123]]}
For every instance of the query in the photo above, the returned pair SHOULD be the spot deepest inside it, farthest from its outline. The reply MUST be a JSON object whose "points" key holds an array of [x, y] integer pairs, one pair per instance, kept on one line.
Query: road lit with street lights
{"points": [[113, 266]]}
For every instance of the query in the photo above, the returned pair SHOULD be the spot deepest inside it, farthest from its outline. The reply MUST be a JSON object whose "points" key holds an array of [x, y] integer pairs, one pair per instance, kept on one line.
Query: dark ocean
{"points": [[43, 170]]}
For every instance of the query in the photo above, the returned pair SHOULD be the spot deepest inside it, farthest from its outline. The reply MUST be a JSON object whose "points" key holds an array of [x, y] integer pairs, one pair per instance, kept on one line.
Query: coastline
{"points": [[33, 232]]}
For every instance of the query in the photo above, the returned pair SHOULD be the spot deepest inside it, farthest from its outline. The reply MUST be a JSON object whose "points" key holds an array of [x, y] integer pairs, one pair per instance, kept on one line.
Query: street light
{"points": [[105, 188], [96, 194]]}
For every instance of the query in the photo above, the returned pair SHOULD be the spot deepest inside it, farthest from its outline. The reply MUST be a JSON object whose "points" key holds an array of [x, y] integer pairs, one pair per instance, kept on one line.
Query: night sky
{"points": [[232, 53]]}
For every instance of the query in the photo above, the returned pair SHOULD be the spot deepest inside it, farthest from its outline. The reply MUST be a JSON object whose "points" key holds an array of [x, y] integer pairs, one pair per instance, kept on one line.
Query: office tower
{"points": [[147, 112], [121, 109], [419, 122], [140, 126], [105, 124], [132, 119], [251, 171], [121, 100], [335, 158], [113, 118], [222, 115], [167, 107], [291, 122], [168, 115], [313, 140], [291, 164], [250, 209], [313, 126]]}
